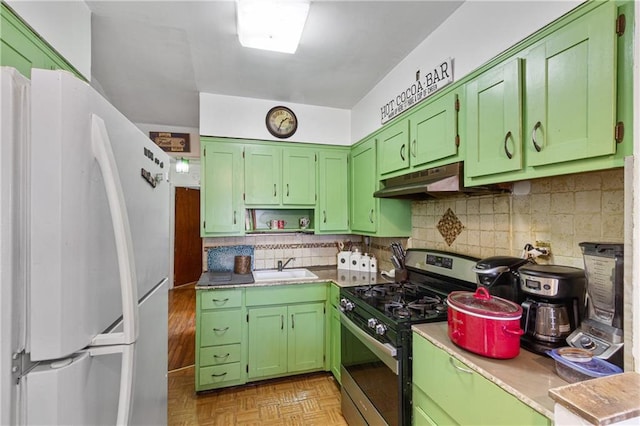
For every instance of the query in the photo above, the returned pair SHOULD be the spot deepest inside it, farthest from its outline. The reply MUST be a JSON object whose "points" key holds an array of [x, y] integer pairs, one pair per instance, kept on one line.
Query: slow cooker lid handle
{"points": [[482, 293]]}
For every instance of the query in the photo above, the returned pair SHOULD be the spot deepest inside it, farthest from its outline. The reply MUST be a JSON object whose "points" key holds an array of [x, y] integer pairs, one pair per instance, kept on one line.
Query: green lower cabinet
{"points": [[446, 391], [220, 339], [267, 341], [286, 339]]}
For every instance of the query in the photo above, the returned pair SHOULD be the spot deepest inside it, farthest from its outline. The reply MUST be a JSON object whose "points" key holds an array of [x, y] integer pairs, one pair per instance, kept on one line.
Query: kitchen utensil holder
{"points": [[401, 275]]}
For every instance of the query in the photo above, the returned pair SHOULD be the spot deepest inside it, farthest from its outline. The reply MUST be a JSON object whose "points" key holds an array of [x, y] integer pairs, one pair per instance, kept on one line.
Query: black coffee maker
{"points": [[553, 305], [499, 275]]}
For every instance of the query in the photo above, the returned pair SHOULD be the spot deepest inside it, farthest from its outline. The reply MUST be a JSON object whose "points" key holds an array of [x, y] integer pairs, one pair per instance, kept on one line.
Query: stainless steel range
{"points": [[376, 333]]}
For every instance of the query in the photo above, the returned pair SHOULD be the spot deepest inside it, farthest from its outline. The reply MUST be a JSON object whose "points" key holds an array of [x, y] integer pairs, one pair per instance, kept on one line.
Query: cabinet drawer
{"points": [[285, 294], [221, 299], [426, 412], [220, 327], [216, 355], [219, 374]]}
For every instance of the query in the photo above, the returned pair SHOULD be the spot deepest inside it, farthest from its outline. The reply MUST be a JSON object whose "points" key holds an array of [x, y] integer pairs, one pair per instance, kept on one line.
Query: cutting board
{"points": [[224, 278]]}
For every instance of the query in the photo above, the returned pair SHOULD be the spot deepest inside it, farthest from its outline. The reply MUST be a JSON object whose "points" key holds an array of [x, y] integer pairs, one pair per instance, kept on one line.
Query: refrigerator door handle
{"points": [[103, 153], [125, 398]]}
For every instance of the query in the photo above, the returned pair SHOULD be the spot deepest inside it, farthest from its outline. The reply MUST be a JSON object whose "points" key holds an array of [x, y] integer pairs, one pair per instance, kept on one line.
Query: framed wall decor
{"points": [[171, 142]]}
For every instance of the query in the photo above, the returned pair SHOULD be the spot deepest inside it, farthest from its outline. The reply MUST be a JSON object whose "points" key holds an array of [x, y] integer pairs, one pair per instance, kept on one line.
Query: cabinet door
{"points": [[306, 337], [393, 146], [363, 185], [221, 196], [299, 176], [267, 341], [494, 121], [434, 131], [333, 201], [571, 91], [334, 351], [262, 175]]}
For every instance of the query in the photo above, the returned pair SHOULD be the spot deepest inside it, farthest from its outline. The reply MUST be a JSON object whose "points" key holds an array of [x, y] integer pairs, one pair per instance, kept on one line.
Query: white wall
{"points": [[476, 32], [66, 25], [237, 117]]}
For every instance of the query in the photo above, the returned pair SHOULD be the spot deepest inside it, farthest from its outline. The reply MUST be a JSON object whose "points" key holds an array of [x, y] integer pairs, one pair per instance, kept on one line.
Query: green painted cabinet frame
{"points": [[221, 205], [335, 331], [332, 211]]}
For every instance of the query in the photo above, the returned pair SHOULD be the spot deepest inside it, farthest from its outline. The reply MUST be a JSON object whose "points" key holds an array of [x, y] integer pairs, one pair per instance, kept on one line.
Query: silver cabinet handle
{"points": [[221, 329], [324, 216], [274, 190], [220, 300], [234, 217], [506, 150], [371, 216], [287, 190], [457, 367], [413, 149], [222, 356], [533, 136], [293, 325], [281, 322], [219, 375], [402, 148]]}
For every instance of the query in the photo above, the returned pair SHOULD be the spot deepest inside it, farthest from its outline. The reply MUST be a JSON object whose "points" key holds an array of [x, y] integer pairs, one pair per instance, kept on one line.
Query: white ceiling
{"points": [[152, 58]]}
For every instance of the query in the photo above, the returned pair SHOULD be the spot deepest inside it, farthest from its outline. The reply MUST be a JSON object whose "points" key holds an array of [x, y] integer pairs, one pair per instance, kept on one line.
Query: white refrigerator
{"points": [[84, 258]]}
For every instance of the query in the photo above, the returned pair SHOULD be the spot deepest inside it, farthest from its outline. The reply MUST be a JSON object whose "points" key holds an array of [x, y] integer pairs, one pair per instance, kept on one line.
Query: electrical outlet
{"points": [[545, 244]]}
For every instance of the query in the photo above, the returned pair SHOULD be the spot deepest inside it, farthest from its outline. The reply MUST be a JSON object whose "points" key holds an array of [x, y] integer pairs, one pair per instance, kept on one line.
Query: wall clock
{"points": [[281, 122]]}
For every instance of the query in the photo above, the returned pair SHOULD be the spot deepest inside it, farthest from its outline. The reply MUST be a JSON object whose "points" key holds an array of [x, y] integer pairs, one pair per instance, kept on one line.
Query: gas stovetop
{"points": [[401, 301], [388, 308]]}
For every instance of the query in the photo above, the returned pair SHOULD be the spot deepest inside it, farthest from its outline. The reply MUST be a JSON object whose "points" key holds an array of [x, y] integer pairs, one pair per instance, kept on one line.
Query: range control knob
{"points": [[381, 329], [372, 322], [346, 305], [587, 343]]}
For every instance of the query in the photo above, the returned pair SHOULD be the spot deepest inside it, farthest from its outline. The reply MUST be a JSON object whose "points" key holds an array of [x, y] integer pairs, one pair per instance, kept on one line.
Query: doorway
{"points": [[187, 263]]}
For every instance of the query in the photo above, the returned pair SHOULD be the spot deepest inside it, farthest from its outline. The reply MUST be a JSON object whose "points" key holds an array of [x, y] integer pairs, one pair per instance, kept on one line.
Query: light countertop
{"points": [[528, 376], [342, 278]]}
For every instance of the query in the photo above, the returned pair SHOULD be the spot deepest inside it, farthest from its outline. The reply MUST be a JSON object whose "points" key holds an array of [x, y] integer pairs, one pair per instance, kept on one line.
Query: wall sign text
{"points": [[421, 89]]}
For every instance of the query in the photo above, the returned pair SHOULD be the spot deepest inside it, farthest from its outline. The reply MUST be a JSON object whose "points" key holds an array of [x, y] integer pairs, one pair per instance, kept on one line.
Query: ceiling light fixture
{"points": [[271, 24], [182, 165]]}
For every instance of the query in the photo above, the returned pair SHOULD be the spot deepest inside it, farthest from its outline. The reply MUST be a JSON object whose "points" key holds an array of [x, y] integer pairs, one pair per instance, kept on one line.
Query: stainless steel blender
{"points": [[601, 330]]}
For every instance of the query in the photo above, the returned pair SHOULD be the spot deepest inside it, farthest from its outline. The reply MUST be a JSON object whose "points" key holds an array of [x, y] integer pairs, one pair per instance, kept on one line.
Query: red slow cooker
{"points": [[484, 324]]}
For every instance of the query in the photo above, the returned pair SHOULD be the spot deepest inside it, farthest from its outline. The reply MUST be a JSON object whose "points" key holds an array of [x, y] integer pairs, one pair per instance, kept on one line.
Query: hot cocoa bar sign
{"points": [[421, 89]]}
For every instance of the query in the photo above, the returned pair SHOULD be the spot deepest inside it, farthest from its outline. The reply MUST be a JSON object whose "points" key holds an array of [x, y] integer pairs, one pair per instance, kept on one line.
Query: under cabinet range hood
{"points": [[434, 183]]}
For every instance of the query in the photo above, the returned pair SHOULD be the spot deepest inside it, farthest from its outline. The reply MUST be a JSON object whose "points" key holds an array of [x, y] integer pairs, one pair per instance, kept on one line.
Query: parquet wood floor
{"points": [[312, 399]]}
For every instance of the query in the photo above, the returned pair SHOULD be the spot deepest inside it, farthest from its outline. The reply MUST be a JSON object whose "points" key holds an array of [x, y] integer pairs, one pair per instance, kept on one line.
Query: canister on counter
{"points": [[242, 265]]}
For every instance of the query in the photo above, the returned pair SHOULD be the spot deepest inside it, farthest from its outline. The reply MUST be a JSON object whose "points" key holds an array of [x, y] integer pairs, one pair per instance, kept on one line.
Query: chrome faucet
{"points": [[281, 266]]}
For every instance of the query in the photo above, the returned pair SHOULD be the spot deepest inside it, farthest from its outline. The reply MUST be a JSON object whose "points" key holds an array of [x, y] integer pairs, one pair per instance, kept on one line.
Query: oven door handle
{"points": [[384, 351]]}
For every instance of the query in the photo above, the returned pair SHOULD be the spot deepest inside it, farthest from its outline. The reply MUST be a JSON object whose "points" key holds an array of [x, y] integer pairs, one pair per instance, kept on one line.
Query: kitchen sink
{"points": [[284, 275]]}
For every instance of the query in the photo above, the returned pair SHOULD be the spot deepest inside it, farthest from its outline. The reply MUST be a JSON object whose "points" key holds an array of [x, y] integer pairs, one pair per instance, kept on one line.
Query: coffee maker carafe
{"points": [[553, 305], [602, 331]]}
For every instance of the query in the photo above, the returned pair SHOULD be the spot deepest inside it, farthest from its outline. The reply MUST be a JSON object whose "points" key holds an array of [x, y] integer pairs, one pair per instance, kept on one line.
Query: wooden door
{"points": [[188, 244]]}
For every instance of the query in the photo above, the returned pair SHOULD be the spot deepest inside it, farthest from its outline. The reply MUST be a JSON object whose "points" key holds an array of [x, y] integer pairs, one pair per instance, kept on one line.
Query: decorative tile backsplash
{"points": [[562, 211]]}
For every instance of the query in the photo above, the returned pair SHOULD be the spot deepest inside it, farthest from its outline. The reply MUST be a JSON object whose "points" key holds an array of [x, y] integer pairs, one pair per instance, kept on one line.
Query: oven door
{"points": [[371, 385]]}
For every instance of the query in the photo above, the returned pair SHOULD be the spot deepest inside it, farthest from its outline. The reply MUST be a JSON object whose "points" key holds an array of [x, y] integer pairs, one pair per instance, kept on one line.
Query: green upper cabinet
{"points": [[494, 120], [262, 175], [332, 211], [434, 131], [571, 90], [382, 217], [299, 176], [22, 49], [277, 176], [363, 185], [222, 211], [393, 147]]}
